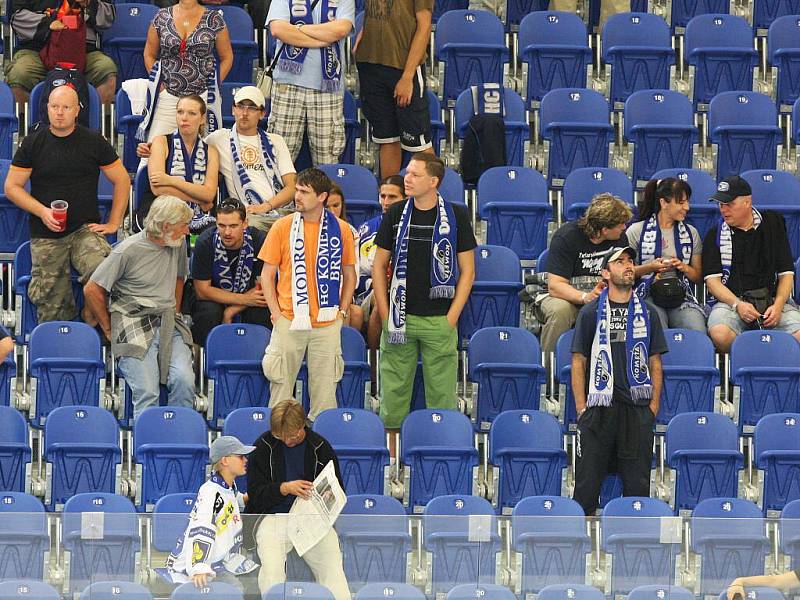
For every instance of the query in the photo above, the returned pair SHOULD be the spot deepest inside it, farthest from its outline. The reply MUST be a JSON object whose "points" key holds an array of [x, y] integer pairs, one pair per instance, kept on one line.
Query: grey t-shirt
{"points": [[143, 271], [634, 233]]}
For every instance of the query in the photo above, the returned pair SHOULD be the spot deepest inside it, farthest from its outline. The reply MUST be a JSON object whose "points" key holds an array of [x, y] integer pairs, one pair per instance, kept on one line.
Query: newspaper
{"points": [[311, 519]]}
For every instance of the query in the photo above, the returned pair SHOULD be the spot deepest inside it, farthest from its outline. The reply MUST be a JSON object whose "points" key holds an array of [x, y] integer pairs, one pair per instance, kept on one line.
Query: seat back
{"points": [[353, 389], [702, 213], [94, 105], [396, 591], [783, 52], [777, 453], [570, 592], [517, 10], [766, 12], [125, 39], [27, 589], [514, 203], [468, 591], [116, 590], [170, 518], [360, 190], [584, 184], [13, 220], [24, 537], [125, 124], [245, 48], [9, 122], [684, 10], [568, 416], [778, 191], [789, 529], [451, 189], [15, 451], [660, 592], [352, 129], [298, 590], [215, 590]]}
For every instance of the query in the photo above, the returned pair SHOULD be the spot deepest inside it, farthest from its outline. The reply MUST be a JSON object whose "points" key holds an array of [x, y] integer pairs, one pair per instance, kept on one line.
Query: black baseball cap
{"points": [[731, 188], [614, 253]]}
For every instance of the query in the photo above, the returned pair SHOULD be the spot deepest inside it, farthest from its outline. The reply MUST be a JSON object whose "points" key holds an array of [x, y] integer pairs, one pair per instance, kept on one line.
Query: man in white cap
{"points": [[209, 549]]}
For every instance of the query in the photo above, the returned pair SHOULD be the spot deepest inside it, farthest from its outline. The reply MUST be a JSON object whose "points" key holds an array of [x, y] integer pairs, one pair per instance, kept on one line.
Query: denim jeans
{"points": [[687, 316], [142, 375]]}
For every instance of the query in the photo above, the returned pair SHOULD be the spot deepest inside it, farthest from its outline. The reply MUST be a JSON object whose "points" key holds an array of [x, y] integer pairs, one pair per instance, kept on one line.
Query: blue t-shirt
{"points": [[295, 459], [310, 75]]}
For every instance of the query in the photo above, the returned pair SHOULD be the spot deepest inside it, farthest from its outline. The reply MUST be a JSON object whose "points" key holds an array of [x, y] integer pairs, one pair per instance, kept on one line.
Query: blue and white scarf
{"points": [[488, 99], [725, 244], [650, 249], [443, 268], [245, 190], [292, 57], [328, 270], [367, 233], [193, 170], [225, 279], [213, 102], [637, 349]]}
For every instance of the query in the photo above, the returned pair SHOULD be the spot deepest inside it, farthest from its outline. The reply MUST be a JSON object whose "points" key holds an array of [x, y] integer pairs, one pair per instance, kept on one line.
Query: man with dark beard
{"points": [[616, 398]]}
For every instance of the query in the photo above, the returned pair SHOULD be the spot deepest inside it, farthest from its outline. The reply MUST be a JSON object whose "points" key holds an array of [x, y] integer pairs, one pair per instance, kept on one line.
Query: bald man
{"points": [[63, 162]]}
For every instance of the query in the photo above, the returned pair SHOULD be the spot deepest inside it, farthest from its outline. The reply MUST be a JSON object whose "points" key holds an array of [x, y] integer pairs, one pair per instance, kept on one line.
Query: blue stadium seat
{"points": [[358, 437], [116, 590], [101, 546], [171, 447], [9, 123], [438, 454], [660, 126], [353, 389], [124, 41], [82, 450], [247, 424], [13, 220], [575, 123], [797, 280], [702, 213], [373, 533], [570, 591], [784, 54], [396, 591], [526, 448], [720, 48], [298, 590], [170, 518], [514, 203], [469, 591], [777, 455], [513, 112], [729, 535], [215, 590], [744, 127], [550, 534], [442, 6], [451, 189], [789, 532], [637, 47], [27, 589], [517, 10], [584, 184], [233, 367], [632, 533], [664, 591], [555, 48], [360, 190], [682, 11], [125, 124], [243, 41], [94, 106], [352, 129], [66, 361], [23, 537], [506, 365], [105, 198], [778, 191], [765, 370], [567, 416], [460, 533], [765, 12], [15, 451], [690, 375], [494, 300], [227, 91], [703, 450], [438, 131], [471, 44]]}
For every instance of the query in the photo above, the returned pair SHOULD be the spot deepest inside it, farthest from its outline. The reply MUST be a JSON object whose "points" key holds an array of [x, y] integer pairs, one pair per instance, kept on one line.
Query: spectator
{"points": [[784, 582], [573, 264], [144, 277], [392, 190], [618, 402], [307, 94], [182, 165], [225, 271], [180, 56], [6, 344], [63, 162], [430, 244], [748, 268], [390, 54], [283, 466], [210, 546], [669, 254], [32, 22], [311, 253]]}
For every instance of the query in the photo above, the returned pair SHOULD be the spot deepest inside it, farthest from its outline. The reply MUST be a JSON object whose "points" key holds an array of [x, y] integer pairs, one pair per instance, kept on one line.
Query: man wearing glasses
{"points": [[226, 270]]}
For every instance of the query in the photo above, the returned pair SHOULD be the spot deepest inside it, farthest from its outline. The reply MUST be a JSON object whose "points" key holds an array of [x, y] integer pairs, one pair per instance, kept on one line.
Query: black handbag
{"points": [[667, 292]]}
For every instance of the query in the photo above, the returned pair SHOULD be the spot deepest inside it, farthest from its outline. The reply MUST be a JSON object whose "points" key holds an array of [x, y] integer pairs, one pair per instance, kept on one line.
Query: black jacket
{"points": [[266, 469]]}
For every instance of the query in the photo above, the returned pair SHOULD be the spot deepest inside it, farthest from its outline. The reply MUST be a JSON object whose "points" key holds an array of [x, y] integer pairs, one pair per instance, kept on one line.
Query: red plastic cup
{"points": [[59, 209]]}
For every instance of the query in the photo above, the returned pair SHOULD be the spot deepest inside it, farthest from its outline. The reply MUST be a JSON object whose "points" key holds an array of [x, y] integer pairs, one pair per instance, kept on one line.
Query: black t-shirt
{"points": [[759, 255], [585, 327], [572, 254], [203, 256], [65, 168], [420, 234]]}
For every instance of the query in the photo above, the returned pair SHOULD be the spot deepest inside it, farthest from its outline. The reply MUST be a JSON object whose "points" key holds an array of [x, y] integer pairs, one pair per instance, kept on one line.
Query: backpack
{"points": [[485, 139], [73, 78]]}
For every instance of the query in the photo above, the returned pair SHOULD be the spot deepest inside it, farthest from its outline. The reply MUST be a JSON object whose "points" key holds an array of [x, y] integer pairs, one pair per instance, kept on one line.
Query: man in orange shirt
{"points": [[312, 254]]}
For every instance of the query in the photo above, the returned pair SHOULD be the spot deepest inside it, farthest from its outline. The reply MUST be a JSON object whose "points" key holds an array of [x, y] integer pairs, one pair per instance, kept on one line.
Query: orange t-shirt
{"points": [[275, 251]]}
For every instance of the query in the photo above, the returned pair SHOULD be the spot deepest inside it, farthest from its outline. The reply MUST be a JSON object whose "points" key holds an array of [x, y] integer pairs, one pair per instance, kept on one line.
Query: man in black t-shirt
{"points": [[424, 237], [225, 271], [748, 268], [63, 162], [573, 264], [616, 381]]}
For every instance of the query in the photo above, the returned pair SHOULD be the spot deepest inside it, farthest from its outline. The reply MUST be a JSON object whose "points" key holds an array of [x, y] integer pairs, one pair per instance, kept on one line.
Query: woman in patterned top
{"points": [[182, 39]]}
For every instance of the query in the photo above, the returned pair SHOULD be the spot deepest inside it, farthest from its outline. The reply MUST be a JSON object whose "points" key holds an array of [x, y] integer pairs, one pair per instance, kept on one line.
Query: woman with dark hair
{"points": [[668, 254], [337, 205]]}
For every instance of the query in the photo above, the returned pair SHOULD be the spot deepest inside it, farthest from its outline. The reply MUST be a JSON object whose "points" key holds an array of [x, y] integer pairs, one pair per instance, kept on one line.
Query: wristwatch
{"points": [[734, 306], [583, 298], [344, 313], [299, 25]]}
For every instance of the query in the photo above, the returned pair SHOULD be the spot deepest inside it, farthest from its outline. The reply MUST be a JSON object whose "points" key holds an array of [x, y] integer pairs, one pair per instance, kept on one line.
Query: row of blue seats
{"points": [[462, 538]]}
